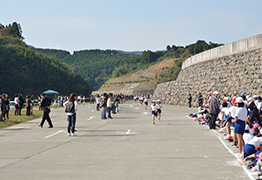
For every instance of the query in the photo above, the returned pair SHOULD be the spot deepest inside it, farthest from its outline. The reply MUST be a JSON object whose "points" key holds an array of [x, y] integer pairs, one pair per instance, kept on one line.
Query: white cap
{"points": [[247, 127], [225, 98], [248, 96], [158, 100], [250, 99], [154, 101], [255, 96], [239, 100], [215, 92]]}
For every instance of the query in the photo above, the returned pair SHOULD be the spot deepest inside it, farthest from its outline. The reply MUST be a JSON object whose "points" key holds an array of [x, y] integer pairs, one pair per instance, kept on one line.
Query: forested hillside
{"points": [[27, 71], [96, 66], [149, 57]]}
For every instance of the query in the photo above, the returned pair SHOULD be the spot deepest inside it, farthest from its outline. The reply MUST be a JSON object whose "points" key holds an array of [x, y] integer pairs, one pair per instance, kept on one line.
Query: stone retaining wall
{"points": [[229, 74]]}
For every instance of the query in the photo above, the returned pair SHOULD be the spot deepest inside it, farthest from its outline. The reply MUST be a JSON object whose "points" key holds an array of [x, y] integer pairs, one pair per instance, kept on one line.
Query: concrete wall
{"points": [[225, 50], [230, 74]]}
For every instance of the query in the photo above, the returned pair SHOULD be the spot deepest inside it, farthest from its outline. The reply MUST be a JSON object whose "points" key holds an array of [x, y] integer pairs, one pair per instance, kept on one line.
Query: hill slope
{"points": [[144, 79], [26, 71], [96, 65]]}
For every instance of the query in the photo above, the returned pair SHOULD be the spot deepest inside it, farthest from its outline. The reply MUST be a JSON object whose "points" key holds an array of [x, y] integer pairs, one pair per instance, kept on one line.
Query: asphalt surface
{"points": [[128, 147]]}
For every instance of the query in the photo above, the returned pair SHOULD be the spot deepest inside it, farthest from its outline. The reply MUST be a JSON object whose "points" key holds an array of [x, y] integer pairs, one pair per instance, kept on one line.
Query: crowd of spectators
{"points": [[239, 118]]}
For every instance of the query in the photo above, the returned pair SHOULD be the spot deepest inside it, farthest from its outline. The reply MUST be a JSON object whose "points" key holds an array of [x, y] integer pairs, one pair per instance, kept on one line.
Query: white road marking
{"points": [[137, 108], [92, 110], [55, 134], [131, 105], [128, 132], [91, 118], [249, 174], [145, 112]]}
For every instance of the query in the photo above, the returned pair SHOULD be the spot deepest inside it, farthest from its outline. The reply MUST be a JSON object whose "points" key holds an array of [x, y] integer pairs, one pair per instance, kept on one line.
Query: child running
{"points": [[153, 110], [159, 107], [146, 102]]}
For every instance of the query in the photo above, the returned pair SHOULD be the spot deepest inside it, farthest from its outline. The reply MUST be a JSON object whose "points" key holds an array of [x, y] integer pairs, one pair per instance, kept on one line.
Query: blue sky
{"points": [[131, 24]]}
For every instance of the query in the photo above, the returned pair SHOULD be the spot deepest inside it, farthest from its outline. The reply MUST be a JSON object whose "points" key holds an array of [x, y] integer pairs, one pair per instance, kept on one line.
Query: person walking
{"points": [[213, 110], [45, 105], [70, 110]]}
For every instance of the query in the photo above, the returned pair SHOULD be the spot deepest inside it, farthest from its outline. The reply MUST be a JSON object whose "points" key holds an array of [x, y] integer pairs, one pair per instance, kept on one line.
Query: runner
{"points": [[146, 102], [153, 110], [159, 107]]}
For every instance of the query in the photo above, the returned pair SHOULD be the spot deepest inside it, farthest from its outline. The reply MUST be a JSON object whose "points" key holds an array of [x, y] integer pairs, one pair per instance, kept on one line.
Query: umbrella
{"points": [[50, 92]]}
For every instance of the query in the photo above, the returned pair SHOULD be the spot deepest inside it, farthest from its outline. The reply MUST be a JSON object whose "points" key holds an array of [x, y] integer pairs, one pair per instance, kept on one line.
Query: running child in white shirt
{"points": [[146, 102], [153, 110], [159, 107]]}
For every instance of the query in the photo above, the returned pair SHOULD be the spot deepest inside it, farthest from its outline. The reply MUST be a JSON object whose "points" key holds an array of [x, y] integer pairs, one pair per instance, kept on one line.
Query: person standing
{"points": [[84, 100], [3, 107], [45, 105], [20, 102], [28, 103], [97, 102], [7, 107], [254, 112], [16, 105], [239, 129], [200, 100], [109, 106], [213, 110], [189, 100], [103, 104], [71, 107]]}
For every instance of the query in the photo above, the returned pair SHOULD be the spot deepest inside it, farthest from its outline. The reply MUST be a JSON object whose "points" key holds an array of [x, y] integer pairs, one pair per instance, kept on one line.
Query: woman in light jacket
{"points": [[71, 115]]}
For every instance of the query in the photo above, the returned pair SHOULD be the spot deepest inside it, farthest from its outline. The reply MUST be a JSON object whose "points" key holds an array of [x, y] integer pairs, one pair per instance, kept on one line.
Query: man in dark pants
{"points": [[45, 104], [213, 110], [20, 103], [189, 100]]}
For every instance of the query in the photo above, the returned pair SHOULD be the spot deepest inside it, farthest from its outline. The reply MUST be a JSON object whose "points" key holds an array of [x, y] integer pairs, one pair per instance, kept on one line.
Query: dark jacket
{"points": [[46, 102], [214, 106], [253, 108]]}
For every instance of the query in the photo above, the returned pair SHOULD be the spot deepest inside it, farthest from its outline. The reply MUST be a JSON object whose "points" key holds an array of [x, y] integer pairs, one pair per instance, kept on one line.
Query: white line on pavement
{"points": [[55, 134], [91, 118]]}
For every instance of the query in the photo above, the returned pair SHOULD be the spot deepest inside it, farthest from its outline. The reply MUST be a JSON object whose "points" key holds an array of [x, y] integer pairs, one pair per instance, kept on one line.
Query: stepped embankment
{"points": [[229, 69]]}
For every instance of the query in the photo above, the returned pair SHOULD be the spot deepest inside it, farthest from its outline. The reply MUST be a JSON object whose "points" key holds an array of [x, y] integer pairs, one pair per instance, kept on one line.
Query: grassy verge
{"points": [[19, 119]]}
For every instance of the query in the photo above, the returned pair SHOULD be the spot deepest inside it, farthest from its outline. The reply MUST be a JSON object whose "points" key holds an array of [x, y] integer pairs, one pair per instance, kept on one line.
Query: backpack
{"points": [[70, 107], [102, 102]]}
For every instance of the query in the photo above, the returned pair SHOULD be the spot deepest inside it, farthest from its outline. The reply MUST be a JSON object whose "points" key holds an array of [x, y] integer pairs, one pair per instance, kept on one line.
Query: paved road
{"points": [[127, 147]]}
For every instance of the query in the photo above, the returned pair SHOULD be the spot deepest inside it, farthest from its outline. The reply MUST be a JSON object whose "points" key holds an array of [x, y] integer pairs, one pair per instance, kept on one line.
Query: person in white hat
{"points": [[153, 110], [213, 110], [240, 118]]}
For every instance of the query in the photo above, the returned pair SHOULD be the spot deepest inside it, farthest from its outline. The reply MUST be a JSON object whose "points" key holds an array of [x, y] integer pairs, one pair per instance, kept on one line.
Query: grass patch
{"points": [[19, 119]]}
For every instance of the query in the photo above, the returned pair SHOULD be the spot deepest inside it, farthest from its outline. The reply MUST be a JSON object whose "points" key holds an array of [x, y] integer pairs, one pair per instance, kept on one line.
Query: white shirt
{"points": [[159, 106], [255, 141], [241, 113], [154, 107], [224, 110], [233, 110], [247, 137], [98, 100], [259, 105], [16, 100]]}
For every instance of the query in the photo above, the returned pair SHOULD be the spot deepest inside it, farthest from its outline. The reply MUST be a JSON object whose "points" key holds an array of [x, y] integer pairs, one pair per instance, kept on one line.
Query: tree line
{"points": [[27, 71]]}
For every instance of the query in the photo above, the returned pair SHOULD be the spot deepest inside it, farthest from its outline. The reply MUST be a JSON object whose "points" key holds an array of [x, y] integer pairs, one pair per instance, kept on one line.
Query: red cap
{"points": [[234, 101]]}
